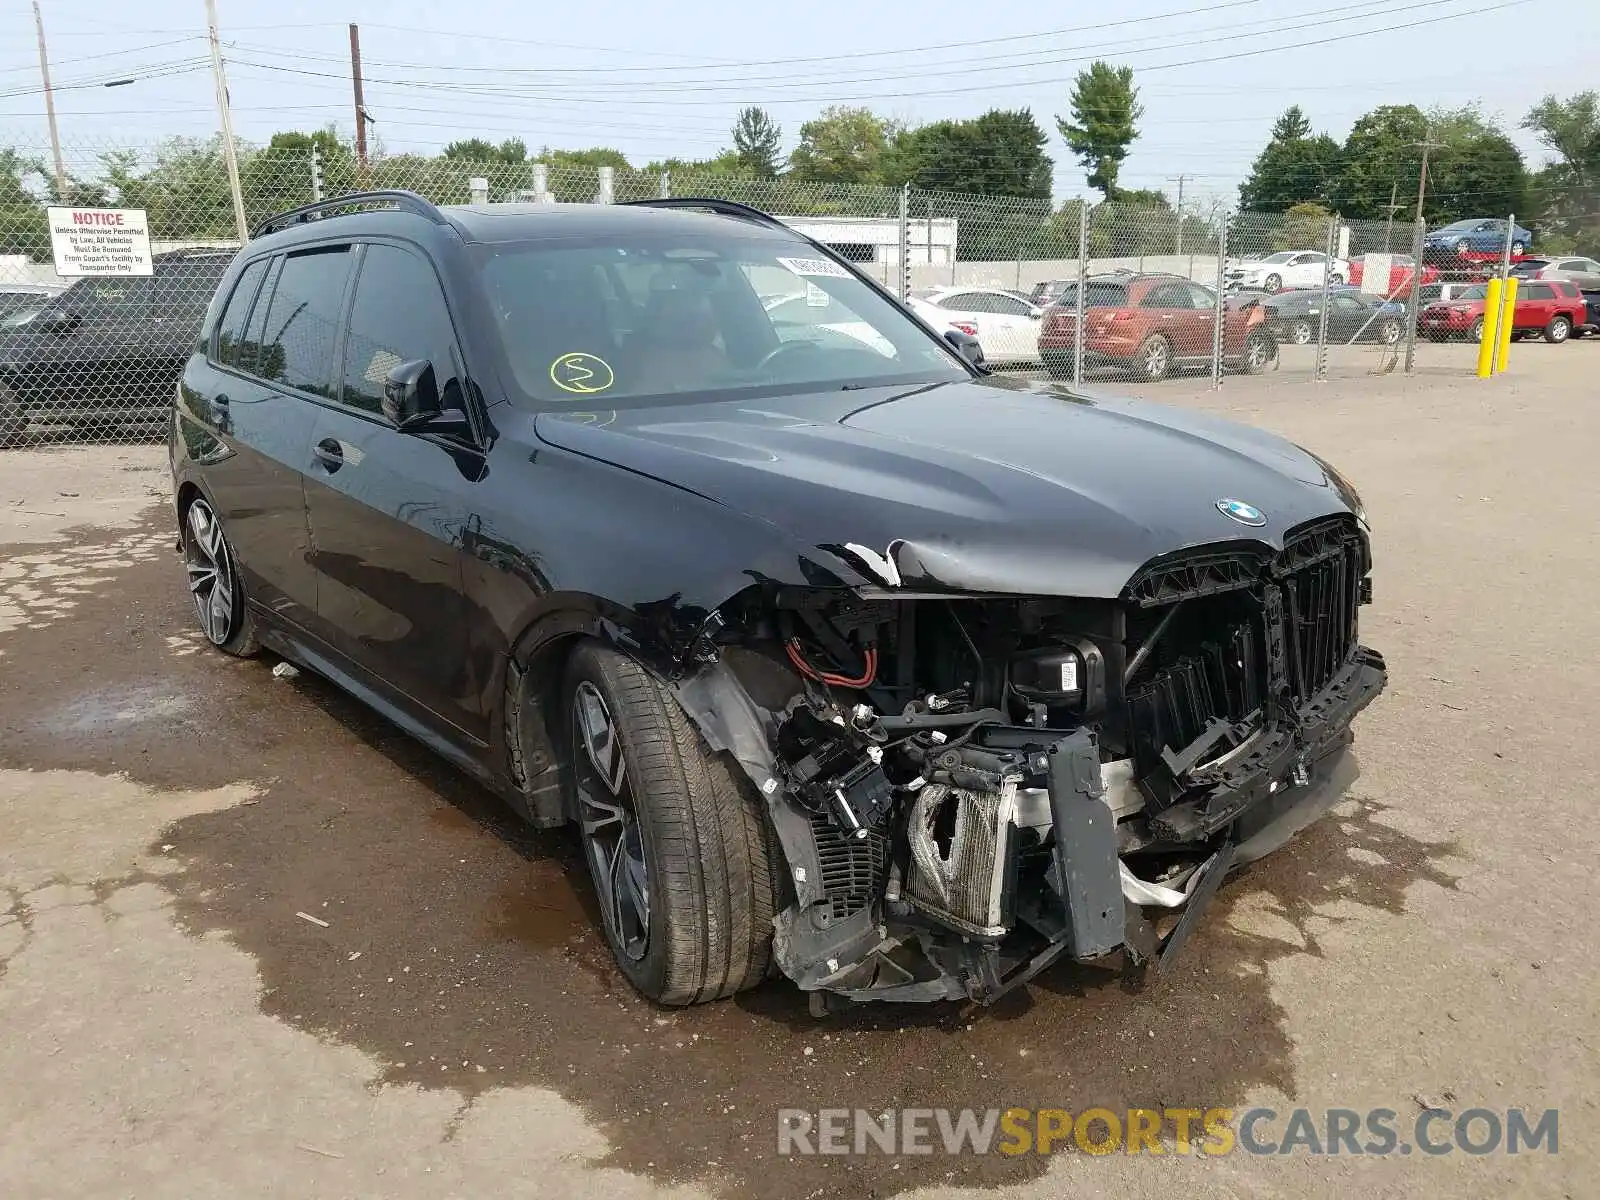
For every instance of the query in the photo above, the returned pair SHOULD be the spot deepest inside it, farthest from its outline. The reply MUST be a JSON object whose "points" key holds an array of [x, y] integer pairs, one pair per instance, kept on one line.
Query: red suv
{"points": [[1153, 324], [1552, 308]]}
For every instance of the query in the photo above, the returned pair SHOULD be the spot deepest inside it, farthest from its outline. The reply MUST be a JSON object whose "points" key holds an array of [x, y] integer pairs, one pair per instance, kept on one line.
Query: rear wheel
{"points": [[1272, 283], [1475, 333], [1154, 358], [1559, 329], [677, 841], [214, 583], [1258, 352]]}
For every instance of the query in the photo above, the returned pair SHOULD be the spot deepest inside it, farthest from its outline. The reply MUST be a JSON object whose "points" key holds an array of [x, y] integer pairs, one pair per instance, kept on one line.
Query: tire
{"points": [[214, 584], [13, 421], [1153, 360], [1475, 333], [1272, 283], [1559, 329], [1336, 279], [671, 828], [1301, 333], [1389, 333], [1258, 352]]}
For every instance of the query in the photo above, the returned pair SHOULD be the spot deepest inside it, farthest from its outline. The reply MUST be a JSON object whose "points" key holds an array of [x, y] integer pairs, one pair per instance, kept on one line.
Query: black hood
{"points": [[975, 487]]}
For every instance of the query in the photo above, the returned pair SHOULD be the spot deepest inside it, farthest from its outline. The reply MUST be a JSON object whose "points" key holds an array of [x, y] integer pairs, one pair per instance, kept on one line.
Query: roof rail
{"points": [[401, 200], [728, 208]]}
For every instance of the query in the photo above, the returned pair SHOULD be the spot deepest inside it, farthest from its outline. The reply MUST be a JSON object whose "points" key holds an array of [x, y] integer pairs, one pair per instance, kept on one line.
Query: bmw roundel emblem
{"points": [[1245, 514]]}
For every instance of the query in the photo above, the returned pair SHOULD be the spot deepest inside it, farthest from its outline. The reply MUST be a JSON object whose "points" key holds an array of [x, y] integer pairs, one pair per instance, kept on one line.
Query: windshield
{"points": [[1461, 227], [635, 316], [1476, 292]]}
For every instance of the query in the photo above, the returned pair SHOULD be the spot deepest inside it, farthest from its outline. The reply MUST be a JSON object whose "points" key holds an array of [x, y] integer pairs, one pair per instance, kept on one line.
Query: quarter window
{"points": [[398, 316], [297, 344], [1540, 291], [230, 330]]}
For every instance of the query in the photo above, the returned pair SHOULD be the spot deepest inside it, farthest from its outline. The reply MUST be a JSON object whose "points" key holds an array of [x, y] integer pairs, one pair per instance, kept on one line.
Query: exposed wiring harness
{"points": [[869, 667]]}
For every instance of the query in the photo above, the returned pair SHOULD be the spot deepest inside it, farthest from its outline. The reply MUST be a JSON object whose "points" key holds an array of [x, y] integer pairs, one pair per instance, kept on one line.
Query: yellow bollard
{"points": [[1508, 319], [1491, 327]]}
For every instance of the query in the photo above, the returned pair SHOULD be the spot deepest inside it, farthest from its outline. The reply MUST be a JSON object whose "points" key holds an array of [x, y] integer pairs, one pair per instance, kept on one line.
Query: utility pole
{"points": [[1180, 182], [229, 151], [50, 108], [1415, 297], [1388, 230], [361, 103]]}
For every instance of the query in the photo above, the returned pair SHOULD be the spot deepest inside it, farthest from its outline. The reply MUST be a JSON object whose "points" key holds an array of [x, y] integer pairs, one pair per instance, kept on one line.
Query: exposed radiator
{"points": [[959, 845]]}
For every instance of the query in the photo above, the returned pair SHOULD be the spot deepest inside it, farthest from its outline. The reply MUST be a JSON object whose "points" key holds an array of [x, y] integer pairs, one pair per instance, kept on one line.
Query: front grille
{"points": [[1320, 571], [1279, 635], [854, 870]]}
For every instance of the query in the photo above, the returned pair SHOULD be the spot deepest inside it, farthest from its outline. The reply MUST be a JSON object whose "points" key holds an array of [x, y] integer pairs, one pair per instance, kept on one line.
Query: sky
{"points": [[662, 80]]}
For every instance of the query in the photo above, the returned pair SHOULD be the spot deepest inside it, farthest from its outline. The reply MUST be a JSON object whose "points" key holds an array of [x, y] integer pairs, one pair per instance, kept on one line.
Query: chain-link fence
{"points": [[1069, 291]]}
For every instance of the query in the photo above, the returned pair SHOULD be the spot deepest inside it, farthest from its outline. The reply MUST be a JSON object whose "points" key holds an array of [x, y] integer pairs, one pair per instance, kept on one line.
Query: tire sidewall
{"points": [[1142, 362], [1559, 330], [648, 974], [1301, 326]]}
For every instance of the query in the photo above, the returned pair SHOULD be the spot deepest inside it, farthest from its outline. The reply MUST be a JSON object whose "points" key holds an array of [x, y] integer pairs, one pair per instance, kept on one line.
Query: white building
{"points": [[877, 239]]}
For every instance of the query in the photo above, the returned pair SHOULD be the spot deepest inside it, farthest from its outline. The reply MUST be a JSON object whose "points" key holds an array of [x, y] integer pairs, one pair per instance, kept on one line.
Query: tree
{"points": [[1479, 169], [185, 193], [843, 145], [24, 228], [278, 176], [1105, 119], [757, 140], [1568, 189], [1294, 168], [1000, 153], [511, 152], [1383, 152]]}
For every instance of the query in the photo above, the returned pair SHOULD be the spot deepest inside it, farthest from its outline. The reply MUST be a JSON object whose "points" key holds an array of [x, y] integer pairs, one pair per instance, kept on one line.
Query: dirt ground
{"points": [[450, 1024]]}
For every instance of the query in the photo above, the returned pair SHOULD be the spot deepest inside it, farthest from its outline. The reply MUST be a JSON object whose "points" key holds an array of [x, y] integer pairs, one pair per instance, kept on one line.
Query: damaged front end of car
{"points": [[967, 788]]}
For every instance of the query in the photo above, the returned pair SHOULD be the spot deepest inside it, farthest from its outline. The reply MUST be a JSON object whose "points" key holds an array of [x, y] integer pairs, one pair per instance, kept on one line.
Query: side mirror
{"points": [[967, 346], [411, 395]]}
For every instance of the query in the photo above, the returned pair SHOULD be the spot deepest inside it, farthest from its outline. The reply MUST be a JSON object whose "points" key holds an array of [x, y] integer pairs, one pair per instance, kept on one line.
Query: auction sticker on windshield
{"points": [[815, 266], [100, 241], [581, 373]]}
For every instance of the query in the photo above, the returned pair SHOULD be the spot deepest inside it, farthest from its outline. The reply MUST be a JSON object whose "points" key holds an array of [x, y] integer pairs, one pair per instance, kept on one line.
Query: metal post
{"points": [[608, 186], [1321, 373], [316, 174], [1080, 307], [1178, 250], [1416, 291], [905, 241], [1505, 255], [230, 154], [666, 185], [359, 93], [50, 109], [541, 183], [1508, 311], [1220, 316]]}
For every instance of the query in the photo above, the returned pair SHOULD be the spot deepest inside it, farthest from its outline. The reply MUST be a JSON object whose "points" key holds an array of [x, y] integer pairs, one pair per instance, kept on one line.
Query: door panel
{"points": [[389, 511], [1171, 312]]}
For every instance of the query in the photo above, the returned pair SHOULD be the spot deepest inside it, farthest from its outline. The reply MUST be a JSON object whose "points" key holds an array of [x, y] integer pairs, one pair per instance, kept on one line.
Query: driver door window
{"points": [[398, 316]]}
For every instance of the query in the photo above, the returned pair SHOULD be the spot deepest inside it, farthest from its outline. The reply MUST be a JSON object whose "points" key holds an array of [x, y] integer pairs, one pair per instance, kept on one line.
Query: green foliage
{"points": [[1105, 120], [1000, 153], [757, 143], [1382, 152], [1567, 191], [1294, 167], [843, 145], [509, 152]]}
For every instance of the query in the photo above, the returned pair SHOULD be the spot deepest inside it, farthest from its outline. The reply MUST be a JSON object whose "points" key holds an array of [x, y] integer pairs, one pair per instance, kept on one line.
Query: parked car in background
{"points": [[1584, 272], [1401, 268], [19, 300], [1007, 327], [1153, 325], [1592, 321], [1553, 309], [1049, 291], [1295, 317], [1286, 269], [108, 349], [1478, 239], [1435, 293]]}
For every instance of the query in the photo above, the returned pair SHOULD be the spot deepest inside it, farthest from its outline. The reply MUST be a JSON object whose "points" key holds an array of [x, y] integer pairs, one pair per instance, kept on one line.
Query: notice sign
{"points": [[100, 241]]}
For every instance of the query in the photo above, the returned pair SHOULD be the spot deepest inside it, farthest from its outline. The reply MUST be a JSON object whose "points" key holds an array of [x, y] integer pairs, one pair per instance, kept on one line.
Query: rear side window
{"points": [[398, 316], [302, 323], [1569, 290], [230, 329], [1168, 295]]}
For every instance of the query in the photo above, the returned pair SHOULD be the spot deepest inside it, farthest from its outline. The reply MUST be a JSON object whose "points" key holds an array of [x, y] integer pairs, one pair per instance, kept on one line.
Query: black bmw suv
{"points": [[848, 659]]}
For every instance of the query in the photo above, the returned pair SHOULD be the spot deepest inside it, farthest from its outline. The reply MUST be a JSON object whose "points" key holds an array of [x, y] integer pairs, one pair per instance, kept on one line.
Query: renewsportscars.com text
{"points": [[1214, 1131]]}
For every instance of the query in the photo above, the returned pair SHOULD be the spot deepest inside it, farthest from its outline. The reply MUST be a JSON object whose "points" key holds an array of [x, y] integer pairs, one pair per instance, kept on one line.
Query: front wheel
{"points": [[1389, 333], [1559, 329], [1475, 334], [1300, 333], [677, 841], [1272, 283], [214, 583]]}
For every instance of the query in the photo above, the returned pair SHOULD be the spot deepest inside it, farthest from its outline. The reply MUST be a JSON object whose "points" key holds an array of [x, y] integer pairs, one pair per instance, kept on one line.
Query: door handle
{"points": [[328, 453]]}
